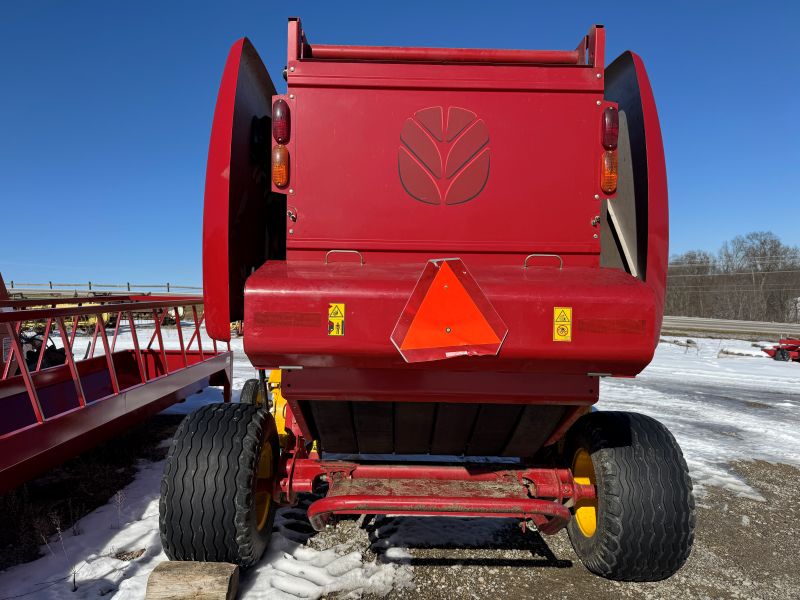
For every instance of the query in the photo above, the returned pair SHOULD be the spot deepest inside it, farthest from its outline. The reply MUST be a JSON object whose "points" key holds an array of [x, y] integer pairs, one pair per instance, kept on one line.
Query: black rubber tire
{"points": [[250, 392], [206, 511], [645, 511], [782, 355]]}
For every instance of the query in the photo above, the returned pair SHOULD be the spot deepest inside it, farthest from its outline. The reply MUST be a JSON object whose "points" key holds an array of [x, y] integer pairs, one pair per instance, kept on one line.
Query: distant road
{"points": [[699, 325]]}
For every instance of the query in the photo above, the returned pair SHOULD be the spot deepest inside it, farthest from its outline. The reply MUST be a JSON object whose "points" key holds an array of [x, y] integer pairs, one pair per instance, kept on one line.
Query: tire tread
{"points": [[206, 504], [646, 512]]}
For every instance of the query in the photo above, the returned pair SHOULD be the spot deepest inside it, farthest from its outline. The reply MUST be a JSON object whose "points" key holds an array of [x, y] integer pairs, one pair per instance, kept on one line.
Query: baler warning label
{"points": [[562, 324], [336, 319]]}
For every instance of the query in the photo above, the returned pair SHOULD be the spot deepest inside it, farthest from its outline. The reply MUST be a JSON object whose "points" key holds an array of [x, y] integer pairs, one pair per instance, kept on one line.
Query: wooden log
{"points": [[185, 580]]}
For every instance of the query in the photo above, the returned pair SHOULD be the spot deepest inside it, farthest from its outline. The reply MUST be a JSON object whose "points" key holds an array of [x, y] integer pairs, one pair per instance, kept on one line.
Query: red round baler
{"points": [[442, 251]]}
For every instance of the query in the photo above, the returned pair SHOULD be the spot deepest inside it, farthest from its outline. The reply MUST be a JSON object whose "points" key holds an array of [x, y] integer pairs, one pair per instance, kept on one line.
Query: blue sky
{"points": [[106, 107]]}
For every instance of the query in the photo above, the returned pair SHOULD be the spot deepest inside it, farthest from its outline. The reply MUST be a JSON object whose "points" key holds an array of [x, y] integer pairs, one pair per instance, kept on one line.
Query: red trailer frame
{"points": [[49, 414]]}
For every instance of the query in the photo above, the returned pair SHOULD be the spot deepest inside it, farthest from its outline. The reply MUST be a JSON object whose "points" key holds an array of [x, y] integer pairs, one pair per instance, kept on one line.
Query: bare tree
{"points": [[753, 277], [689, 269]]}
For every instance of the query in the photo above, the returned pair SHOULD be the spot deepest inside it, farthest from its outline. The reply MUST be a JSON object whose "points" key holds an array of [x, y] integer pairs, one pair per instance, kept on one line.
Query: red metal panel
{"points": [[287, 307], [235, 189], [427, 76], [296, 420], [438, 386], [535, 178], [529, 189]]}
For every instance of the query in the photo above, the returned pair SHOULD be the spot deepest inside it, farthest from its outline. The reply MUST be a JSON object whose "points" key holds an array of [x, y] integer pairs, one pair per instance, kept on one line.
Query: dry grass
{"points": [[54, 502]]}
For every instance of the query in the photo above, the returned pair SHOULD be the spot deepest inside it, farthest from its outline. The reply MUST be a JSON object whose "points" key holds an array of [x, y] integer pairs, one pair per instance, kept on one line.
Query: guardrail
{"points": [[51, 288], [702, 325]]}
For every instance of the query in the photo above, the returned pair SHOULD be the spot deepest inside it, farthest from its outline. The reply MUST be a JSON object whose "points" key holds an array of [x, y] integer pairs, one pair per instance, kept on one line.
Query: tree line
{"points": [[754, 277]]}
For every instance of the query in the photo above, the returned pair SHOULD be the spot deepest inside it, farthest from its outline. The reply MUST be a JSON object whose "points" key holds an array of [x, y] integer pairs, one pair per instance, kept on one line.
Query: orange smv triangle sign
{"points": [[448, 317]]}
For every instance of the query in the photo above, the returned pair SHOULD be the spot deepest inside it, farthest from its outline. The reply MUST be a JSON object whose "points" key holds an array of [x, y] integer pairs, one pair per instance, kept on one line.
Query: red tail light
{"points": [[610, 128], [280, 121]]}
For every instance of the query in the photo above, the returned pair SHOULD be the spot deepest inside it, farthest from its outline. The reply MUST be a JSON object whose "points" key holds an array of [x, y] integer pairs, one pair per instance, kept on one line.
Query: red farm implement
{"points": [[786, 350], [442, 251], [66, 387]]}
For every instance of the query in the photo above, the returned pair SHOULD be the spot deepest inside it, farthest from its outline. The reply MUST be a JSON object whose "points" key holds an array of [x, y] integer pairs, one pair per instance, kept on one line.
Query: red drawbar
{"points": [[447, 315], [542, 495]]}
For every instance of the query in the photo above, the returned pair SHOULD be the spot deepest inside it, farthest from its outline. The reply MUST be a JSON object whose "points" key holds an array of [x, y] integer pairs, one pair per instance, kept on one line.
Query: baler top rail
{"points": [[56, 401], [587, 53], [451, 55]]}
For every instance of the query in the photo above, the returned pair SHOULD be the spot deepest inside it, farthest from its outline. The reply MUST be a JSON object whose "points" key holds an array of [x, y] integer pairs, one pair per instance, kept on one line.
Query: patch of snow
{"points": [[128, 522], [719, 410], [749, 352], [304, 572], [291, 570]]}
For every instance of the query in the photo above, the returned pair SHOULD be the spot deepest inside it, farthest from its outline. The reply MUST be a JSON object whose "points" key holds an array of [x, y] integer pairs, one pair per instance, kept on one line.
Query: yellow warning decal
{"points": [[335, 319], [562, 324]]}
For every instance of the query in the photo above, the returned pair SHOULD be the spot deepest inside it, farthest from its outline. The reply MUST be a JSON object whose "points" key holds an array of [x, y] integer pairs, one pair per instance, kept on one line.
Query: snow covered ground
{"points": [[721, 408]]}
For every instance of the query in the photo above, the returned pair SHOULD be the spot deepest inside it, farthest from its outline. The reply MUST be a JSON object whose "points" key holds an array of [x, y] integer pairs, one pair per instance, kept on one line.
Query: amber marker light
{"points": [[280, 166], [608, 178]]}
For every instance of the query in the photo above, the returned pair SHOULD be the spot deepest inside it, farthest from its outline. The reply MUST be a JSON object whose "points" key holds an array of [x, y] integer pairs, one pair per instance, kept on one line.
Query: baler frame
{"points": [[540, 495]]}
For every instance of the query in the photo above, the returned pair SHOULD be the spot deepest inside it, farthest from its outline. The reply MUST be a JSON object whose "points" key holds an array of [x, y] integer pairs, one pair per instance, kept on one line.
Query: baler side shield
{"points": [[645, 201], [237, 187]]}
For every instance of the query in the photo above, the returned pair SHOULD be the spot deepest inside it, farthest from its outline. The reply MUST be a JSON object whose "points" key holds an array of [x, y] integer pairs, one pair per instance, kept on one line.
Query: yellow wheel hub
{"points": [[263, 485], [585, 509]]}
